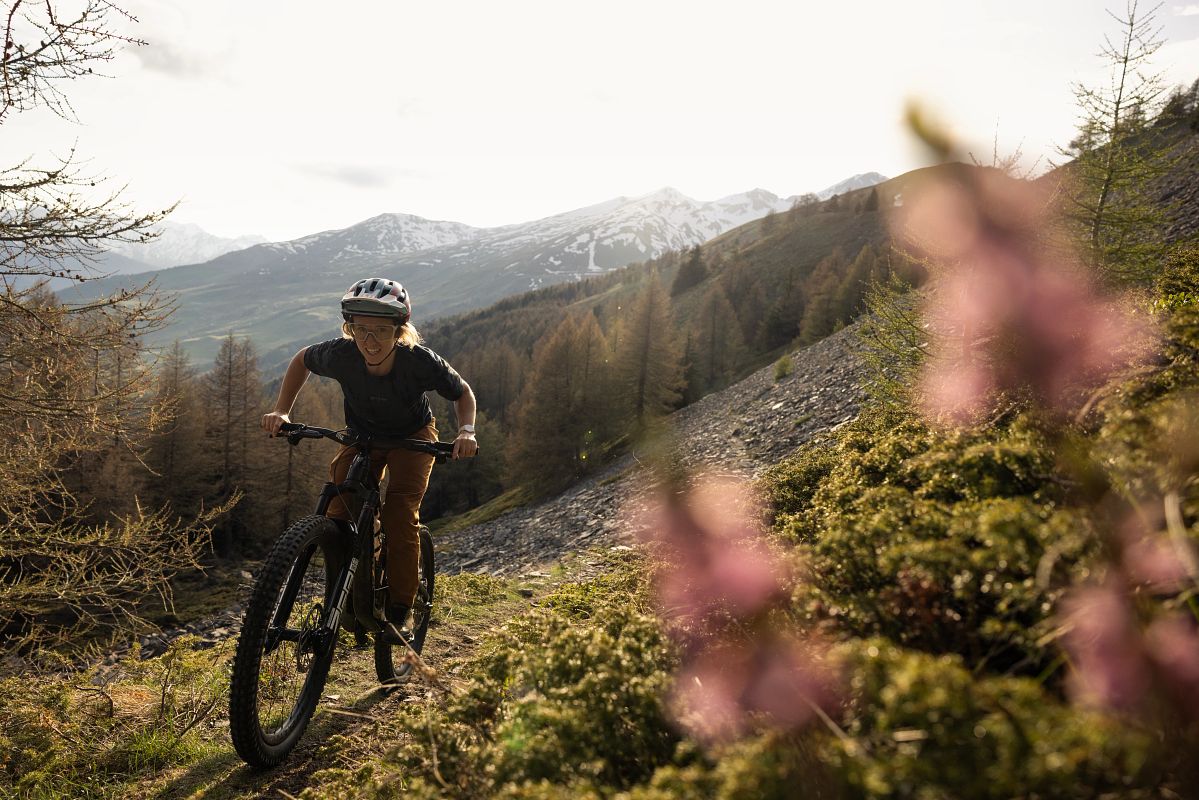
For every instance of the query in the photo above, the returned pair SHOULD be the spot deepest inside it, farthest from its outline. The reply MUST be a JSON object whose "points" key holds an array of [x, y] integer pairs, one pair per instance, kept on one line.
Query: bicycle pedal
{"points": [[393, 635]]}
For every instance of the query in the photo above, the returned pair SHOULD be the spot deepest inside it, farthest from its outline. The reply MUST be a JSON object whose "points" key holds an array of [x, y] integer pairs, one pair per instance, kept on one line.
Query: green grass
{"points": [[467, 598], [496, 506]]}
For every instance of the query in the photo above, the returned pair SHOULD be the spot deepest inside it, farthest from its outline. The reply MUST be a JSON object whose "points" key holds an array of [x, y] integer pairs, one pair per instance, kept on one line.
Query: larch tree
{"points": [[649, 367], [692, 272], [595, 403], [717, 346], [232, 396], [69, 383], [1117, 157], [544, 444], [821, 314], [177, 449]]}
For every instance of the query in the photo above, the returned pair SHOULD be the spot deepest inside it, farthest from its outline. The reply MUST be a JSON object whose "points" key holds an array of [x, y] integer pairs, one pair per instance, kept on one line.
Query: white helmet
{"points": [[377, 297]]}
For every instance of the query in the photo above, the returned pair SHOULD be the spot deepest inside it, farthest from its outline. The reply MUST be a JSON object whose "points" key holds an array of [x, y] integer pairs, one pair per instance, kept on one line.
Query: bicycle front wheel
{"points": [[284, 652], [392, 662]]}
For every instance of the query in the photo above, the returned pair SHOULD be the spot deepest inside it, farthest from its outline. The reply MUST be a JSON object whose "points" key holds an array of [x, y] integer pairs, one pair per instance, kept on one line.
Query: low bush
{"points": [[947, 542], [922, 726], [783, 367]]}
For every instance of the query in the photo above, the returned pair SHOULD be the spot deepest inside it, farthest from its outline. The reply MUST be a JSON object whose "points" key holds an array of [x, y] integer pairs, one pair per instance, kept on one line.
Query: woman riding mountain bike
{"points": [[337, 568], [322, 575], [384, 372]]}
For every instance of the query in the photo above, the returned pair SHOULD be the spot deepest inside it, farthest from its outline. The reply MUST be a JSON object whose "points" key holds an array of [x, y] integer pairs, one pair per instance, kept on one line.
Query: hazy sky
{"points": [[286, 118]]}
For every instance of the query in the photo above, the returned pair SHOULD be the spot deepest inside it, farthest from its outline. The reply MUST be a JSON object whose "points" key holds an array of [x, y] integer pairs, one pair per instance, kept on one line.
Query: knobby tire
{"points": [[307, 545]]}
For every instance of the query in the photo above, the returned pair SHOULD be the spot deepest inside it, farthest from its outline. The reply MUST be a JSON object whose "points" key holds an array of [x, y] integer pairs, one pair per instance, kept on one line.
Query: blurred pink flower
{"points": [[1153, 560], [721, 582], [718, 691], [1119, 666], [1010, 310], [719, 558], [1173, 646], [1110, 668]]}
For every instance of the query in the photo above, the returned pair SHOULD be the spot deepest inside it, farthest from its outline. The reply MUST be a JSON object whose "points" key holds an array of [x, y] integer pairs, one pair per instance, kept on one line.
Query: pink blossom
{"points": [[720, 689], [721, 581], [1173, 646], [1110, 668], [1010, 309], [1152, 559], [719, 561]]}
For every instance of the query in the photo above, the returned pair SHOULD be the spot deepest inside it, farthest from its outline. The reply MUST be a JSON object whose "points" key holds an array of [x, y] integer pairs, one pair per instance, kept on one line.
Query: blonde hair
{"points": [[408, 336]]}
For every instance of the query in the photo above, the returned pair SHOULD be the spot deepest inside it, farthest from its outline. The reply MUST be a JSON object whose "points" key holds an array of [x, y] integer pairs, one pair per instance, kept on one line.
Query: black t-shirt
{"points": [[387, 406]]}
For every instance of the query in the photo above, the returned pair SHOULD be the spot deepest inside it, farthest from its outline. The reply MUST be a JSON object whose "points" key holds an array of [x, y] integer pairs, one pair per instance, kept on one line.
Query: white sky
{"points": [[286, 118]]}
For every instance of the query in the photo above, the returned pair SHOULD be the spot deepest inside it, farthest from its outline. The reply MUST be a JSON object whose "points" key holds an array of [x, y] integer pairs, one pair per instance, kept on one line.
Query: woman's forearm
{"points": [[464, 407], [293, 381]]}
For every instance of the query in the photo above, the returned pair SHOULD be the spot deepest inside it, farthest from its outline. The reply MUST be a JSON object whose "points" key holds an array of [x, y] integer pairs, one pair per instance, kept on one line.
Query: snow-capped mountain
{"points": [[590, 239], [179, 243], [608, 235], [384, 235], [862, 181], [279, 293]]}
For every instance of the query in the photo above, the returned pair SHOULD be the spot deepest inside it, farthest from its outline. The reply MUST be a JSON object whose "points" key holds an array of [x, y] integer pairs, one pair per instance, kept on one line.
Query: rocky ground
{"points": [[740, 431]]}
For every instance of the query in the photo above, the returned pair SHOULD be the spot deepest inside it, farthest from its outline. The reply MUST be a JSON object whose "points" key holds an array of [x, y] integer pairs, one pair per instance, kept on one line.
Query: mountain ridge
{"points": [[448, 266]]}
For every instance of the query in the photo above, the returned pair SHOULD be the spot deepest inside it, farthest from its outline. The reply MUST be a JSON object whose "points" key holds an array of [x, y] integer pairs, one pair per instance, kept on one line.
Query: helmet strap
{"points": [[384, 358]]}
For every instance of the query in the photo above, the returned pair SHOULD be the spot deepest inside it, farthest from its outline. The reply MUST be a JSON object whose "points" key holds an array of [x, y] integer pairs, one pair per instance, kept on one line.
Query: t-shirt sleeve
{"points": [[321, 359], [436, 375]]}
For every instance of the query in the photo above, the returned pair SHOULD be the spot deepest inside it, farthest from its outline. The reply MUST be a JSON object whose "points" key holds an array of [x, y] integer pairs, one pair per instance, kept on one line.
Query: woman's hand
{"points": [[273, 421], [465, 446]]}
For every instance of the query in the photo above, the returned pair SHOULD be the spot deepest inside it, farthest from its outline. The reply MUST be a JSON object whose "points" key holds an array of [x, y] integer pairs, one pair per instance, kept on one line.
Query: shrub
{"points": [[924, 726], [934, 538], [64, 736], [783, 367]]}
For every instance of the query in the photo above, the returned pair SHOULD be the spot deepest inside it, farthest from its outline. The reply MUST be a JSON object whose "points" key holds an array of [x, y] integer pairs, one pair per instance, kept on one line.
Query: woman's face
{"points": [[374, 336]]}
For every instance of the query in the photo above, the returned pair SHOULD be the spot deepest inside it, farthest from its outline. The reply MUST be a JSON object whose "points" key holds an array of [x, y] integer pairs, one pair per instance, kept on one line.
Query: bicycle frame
{"points": [[363, 490], [359, 489]]}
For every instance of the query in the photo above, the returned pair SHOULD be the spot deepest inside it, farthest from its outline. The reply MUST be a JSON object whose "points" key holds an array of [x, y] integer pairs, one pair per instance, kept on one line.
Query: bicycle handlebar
{"points": [[295, 431]]}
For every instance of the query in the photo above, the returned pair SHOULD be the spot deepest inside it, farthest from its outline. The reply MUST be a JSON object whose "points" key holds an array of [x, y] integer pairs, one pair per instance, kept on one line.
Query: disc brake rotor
{"points": [[309, 635]]}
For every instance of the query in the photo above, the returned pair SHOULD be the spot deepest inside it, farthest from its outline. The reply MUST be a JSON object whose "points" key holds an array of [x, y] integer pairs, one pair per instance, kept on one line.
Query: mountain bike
{"points": [[322, 574]]}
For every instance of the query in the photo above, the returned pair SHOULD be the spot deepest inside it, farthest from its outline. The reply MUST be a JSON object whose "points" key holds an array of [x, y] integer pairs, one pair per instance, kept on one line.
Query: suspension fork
{"points": [[345, 580]]}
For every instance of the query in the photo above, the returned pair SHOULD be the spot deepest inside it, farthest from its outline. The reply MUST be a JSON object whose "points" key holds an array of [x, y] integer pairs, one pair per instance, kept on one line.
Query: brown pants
{"points": [[408, 477]]}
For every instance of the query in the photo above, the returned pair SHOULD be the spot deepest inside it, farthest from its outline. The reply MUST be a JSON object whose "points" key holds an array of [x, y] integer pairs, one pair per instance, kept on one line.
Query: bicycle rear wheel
{"points": [[283, 652], [392, 664]]}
